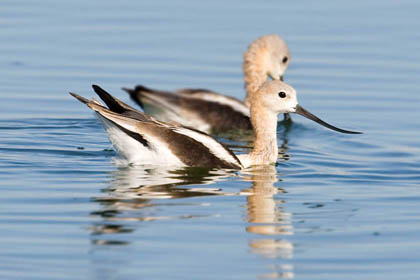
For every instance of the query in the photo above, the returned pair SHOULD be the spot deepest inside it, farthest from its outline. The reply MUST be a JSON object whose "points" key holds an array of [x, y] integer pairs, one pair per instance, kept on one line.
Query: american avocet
{"points": [[210, 111], [142, 140]]}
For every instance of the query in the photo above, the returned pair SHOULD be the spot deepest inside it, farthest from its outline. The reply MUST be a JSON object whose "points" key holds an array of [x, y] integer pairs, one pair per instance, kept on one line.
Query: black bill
{"points": [[301, 111]]}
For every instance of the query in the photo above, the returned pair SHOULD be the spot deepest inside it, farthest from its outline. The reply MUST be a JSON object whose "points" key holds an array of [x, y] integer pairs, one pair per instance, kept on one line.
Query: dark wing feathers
{"points": [[141, 91], [117, 106], [190, 151], [220, 117], [193, 91], [80, 98]]}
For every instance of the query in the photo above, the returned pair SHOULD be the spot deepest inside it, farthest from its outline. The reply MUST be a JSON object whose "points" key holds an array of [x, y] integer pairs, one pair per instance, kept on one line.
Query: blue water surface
{"points": [[335, 207]]}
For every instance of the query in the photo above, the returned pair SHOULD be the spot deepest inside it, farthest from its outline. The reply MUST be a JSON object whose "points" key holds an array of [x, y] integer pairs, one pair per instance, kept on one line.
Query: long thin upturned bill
{"points": [[301, 111]]}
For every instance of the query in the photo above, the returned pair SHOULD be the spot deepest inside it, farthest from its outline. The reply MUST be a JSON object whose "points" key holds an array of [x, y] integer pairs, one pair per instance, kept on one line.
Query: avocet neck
{"points": [[265, 146], [255, 73]]}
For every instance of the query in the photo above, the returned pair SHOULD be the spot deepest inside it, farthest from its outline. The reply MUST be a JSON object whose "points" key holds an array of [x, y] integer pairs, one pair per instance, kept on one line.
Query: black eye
{"points": [[285, 59], [282, 94]]}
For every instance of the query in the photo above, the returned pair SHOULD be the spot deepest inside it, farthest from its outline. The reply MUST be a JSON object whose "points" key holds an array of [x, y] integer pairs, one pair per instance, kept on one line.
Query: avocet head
{"points": [[279, 57], [272, 55], [278, 97]]}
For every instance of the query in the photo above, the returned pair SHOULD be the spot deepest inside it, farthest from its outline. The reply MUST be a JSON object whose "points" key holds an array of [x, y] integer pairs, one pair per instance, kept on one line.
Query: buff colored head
{"points": [[275, 97], [270, 56]]}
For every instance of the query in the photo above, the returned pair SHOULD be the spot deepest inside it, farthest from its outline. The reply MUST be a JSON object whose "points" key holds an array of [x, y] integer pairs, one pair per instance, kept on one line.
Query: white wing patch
{"points": [[245, 159], [136, 153], [215, 147]]}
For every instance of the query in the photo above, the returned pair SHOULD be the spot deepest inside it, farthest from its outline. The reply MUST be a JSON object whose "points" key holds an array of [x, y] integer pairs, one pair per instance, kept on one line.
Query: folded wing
{"points": [[142, 140], [198, 108]]}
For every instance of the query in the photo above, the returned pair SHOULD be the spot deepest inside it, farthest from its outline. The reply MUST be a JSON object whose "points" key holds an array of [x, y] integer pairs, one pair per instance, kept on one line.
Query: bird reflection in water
{"points": [[136, 194], [267, 219]]}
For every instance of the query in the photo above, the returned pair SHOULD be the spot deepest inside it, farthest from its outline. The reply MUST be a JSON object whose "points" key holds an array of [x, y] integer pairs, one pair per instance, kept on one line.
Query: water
{"points": [[335, 207]]}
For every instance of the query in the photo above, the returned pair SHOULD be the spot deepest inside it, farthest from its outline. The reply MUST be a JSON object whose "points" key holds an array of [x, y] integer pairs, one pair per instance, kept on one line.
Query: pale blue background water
{"points": [[342, 206]]}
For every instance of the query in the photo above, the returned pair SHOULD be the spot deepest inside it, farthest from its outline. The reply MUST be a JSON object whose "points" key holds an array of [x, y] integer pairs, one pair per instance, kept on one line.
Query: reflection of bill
{"points": [[266, 217]]}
